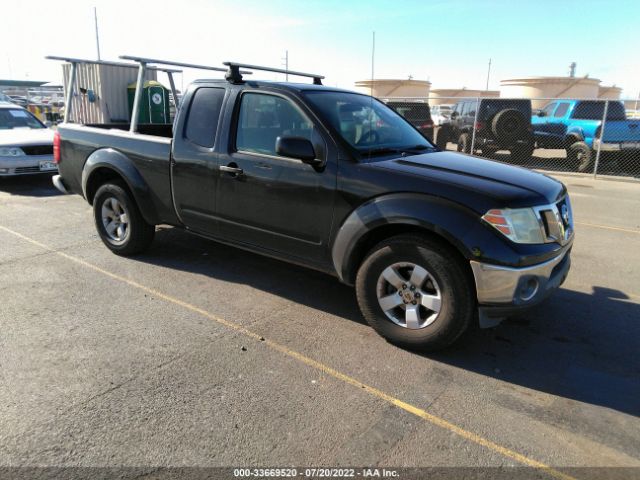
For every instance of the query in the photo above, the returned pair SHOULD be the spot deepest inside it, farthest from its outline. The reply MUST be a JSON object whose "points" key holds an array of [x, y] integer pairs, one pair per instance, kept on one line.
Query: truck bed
{"points": [[155, 129], [149, 150]]}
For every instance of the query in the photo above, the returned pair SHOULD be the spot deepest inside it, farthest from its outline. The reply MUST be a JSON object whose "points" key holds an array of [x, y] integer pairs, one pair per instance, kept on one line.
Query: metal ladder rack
{"points": [[143, 63], [234, 75], [72, 79]]}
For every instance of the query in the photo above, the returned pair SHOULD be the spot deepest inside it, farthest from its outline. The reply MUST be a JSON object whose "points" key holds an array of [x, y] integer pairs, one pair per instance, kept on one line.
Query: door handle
{"points": [[231, 168]]}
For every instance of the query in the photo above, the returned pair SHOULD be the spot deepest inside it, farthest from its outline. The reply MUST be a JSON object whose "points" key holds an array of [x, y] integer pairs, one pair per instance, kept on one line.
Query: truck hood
{"points": [[505, 185], [19, 137]]}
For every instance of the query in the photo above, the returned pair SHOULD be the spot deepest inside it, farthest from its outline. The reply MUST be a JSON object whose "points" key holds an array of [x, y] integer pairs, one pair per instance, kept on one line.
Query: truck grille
{"points": [[27, 169], [557, 220], [38, 150]]}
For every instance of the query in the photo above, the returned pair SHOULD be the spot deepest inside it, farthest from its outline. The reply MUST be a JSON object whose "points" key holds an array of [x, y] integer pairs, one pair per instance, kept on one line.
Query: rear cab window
{"points": [[594, 110], [203, 116], [488, 108]]}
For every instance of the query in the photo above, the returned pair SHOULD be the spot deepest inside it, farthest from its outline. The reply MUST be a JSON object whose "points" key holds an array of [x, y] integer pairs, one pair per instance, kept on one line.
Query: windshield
{"points": [[11, 118], [367, 124]]}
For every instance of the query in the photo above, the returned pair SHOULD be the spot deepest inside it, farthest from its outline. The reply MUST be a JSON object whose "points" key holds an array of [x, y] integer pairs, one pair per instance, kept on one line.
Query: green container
{"points": [[154, 105]]}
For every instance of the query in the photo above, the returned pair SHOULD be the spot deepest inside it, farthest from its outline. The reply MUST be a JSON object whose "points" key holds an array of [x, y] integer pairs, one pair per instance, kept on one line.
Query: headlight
{"points": [[11, 152], [520, 225]]}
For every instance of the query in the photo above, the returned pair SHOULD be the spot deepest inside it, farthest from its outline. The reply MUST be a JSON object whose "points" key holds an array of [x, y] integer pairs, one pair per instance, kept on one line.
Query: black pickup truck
{"points": [[335, 181]]}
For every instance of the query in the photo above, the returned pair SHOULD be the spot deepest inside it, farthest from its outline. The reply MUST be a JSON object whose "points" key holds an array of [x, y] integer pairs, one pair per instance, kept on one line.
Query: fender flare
{"points": [[454, 223], [575, 132], [111, 159]]}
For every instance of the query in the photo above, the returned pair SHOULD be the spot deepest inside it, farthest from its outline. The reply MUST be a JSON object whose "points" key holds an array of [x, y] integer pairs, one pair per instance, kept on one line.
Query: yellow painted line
{"points": [[607, 227], [418, 412]]}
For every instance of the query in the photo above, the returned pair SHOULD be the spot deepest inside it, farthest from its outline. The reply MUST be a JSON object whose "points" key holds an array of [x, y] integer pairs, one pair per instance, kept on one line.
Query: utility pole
{"points": [[373, 56], [95, 18], [488, 73]]}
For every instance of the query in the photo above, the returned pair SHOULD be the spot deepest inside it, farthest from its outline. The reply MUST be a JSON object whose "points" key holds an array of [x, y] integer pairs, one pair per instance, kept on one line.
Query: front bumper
{"points": [[505, 290], [25, 165]]}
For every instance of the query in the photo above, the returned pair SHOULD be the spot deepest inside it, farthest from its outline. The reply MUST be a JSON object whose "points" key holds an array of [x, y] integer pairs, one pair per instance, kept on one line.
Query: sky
{"points": [[446, 42]]}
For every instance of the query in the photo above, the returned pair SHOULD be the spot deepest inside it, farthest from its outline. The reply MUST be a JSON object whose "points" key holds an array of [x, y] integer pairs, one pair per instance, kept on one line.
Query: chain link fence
{"points": [[591, 136]]}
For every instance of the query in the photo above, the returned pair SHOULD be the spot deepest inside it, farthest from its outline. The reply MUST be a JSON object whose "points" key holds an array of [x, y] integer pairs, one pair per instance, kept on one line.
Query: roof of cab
{"points": [[284, 85]]}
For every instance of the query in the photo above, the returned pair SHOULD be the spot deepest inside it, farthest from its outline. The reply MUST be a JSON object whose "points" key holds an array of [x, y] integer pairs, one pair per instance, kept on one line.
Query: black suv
{"points": [[418, 114], [501, 124]]}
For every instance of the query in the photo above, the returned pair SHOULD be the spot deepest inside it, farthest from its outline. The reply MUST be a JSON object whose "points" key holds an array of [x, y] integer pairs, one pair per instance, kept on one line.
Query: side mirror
{"points": [[454, 114], [296, 147], [541, 113]]}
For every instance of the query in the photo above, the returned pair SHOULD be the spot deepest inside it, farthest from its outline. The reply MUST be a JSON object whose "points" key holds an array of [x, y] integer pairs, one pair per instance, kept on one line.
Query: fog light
{"points": [[528, 289]]}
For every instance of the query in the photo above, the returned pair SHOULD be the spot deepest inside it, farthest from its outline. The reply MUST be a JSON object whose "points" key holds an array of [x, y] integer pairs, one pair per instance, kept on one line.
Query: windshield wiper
{"points": [[382, 151], [402, 150], [420, 147]]}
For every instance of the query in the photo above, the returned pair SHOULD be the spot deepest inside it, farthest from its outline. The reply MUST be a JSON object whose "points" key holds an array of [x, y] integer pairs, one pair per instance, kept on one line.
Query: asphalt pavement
{"points": [[197, 354]]}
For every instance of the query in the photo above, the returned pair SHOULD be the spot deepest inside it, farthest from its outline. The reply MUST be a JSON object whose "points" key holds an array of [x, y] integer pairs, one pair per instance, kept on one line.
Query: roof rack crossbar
{"points": [[107, 62], [172, 63], [234, 74]]}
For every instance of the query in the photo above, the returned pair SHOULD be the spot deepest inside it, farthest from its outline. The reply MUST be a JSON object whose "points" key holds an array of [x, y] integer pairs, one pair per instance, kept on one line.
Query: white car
{"points": [[26, 144], [440, 114]]}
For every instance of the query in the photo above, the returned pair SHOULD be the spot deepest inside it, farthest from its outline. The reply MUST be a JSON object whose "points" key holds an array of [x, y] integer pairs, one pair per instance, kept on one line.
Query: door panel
{"points": [[195, 163], [541, 125], [557, 125], [276, 203]]}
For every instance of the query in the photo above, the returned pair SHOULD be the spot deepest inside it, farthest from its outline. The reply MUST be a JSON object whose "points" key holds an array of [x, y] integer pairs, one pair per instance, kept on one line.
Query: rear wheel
{"points": [[415, 293], [580, 155], [119, 221], [464, 143]]}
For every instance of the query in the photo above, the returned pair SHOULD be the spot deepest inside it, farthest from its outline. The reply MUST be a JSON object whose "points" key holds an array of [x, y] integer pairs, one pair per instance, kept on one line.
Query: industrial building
{"points": [[394, 88]]}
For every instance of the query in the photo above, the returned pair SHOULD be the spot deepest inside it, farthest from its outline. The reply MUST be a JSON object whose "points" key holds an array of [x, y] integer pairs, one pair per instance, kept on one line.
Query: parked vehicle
{"points": [[441, 114], [335, 181], [576, 125], [5, 98], [419, 114], [26, 144], [19, 100], [501, 124]]}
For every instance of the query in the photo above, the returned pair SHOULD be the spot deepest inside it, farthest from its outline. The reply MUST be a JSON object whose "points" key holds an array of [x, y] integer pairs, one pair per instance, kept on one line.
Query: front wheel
{"points": [[579, 154], [464, 143], [415, 293], [119, 222]]}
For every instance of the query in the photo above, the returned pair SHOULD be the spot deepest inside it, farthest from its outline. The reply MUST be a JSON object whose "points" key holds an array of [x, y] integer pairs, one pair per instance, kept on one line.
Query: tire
{"points": [[522, 152], [509, 125], [446, 280], [442, 138], [580, 155], [136, 235], [464, 143]]}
